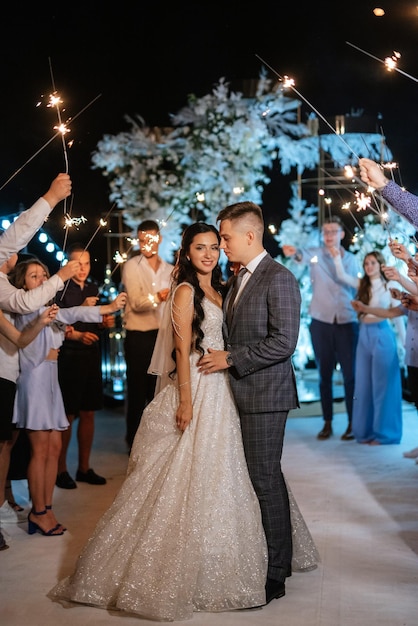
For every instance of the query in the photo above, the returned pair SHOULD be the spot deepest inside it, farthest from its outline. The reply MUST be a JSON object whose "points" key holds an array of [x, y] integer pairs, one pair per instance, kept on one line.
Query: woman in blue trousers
{"points": [[377, 406]]}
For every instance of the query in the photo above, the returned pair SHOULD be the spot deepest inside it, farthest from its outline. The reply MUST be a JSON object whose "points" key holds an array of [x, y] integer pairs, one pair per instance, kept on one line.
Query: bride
{"points": [[184, 533]]}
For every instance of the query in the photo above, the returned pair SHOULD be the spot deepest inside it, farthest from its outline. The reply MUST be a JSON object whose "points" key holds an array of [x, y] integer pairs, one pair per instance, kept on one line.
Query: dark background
{"points": [[144, 59]]}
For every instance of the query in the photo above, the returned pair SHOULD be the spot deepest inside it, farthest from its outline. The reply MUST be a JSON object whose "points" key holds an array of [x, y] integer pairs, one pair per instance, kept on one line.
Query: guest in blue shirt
{"points": [[334, 325]]}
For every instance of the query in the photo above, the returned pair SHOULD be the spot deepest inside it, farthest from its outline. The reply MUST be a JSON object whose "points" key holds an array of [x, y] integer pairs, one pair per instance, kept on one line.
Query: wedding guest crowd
{"points": [[20, 301], [222, 356], [39, 406]]}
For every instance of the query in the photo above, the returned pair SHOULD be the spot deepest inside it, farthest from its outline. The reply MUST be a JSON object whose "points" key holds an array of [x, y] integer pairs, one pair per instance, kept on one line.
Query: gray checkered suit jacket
{"points": [[262, 338]]}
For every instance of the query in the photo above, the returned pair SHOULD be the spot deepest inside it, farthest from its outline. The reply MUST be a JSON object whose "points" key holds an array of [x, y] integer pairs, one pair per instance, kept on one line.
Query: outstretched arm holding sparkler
{"points": [[114, 306], [403, 202], [21, 231], [59, 190]]}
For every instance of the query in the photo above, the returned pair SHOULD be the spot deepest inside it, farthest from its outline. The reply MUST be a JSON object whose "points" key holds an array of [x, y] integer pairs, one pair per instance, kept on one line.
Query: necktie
{"points": [[234, 291]]}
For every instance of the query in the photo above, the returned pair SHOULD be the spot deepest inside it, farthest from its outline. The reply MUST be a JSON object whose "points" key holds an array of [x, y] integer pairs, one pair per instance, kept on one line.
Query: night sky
{"points": [[143, 60]]}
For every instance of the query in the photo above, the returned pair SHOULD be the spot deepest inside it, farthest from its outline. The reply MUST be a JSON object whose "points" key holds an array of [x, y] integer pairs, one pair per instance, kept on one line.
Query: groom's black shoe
{"points": [[274, 589]]}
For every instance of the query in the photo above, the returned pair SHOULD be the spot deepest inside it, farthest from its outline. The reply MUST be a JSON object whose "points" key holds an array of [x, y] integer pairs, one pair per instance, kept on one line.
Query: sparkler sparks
{"points": [[347, 207], [348, 171], [69, 121], [148, 242], [73, 221], [363, 201], [390, 62], [120, 257], [290, 83], [102, 222]]}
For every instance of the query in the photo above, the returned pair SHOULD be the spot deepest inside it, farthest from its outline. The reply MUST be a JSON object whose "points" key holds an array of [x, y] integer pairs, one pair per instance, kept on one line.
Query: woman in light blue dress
{"points": [[39, 406]]}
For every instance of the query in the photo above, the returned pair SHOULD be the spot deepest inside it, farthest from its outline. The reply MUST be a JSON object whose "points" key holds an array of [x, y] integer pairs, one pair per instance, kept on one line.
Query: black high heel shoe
{"points": [[48, 508], [33, 527]]}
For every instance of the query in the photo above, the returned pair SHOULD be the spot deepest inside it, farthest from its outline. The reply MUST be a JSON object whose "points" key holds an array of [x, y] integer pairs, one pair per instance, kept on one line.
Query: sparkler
{"points": [[67, 123], [290, 84], [102, 222], [66, 230], [55, 101], [414, 240], [120, 258], [73, 221], [346, 207], [390, 62], [69, 222], [146, 244], [363, 202]]}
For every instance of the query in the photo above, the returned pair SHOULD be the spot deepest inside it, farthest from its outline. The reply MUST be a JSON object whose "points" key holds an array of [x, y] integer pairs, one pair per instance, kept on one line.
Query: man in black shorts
{"points": [[80, 373]]}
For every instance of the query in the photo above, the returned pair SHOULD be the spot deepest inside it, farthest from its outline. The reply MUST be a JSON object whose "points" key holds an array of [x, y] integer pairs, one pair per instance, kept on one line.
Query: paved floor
{"points": [[360, 502]]}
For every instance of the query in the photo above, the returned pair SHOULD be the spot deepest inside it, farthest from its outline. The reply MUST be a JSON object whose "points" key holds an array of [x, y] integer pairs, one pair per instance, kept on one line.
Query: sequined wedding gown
{"points": [[184, 533]]}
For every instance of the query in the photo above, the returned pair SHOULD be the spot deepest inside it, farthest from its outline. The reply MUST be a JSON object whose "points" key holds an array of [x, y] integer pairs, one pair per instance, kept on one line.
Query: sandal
{"points": [[15, 506], [48, 508], [33, 526]]}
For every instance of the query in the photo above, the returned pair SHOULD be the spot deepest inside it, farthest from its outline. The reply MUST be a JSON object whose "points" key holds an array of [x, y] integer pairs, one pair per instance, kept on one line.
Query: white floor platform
{"points": [[360, 502]]}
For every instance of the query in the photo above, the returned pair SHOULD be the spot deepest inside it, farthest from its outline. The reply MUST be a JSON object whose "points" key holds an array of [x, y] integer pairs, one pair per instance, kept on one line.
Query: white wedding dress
{"points": [[184, 533]]}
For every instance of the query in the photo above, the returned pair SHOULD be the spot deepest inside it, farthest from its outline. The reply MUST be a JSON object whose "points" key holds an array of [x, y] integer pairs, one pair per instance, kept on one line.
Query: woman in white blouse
{"points": [[377, 407]]}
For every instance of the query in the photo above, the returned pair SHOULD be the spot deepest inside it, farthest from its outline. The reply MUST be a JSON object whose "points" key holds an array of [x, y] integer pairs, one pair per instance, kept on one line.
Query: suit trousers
{"points": [[140, 386], [263, 434]]}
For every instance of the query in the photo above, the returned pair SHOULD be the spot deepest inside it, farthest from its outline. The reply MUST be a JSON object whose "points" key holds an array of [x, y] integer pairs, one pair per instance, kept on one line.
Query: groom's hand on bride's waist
{"points": [[213, 361]]}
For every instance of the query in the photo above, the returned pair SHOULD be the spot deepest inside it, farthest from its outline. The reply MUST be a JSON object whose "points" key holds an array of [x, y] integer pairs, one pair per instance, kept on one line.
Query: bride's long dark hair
{"points": [[184, 272]]}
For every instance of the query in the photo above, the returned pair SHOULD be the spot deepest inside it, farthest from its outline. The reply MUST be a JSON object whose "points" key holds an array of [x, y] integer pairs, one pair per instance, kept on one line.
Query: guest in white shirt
{"points": [[13, 300], [146, 279]]}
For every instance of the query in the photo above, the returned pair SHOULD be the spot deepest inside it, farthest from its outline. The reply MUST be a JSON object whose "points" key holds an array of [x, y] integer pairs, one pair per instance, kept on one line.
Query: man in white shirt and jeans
{"points": [[146, 279]]}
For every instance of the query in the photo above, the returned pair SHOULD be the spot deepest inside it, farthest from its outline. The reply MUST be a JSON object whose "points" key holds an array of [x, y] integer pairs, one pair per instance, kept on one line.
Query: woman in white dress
{"points": [[184, 533]]}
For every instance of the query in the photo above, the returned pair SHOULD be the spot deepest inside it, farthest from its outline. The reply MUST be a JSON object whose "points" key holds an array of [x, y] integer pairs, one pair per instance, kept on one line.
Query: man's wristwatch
{"points": [[229, 360]]}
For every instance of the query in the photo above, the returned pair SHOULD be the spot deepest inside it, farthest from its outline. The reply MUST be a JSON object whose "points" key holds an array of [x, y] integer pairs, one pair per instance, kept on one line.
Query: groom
{"points": [[261, 328]]}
